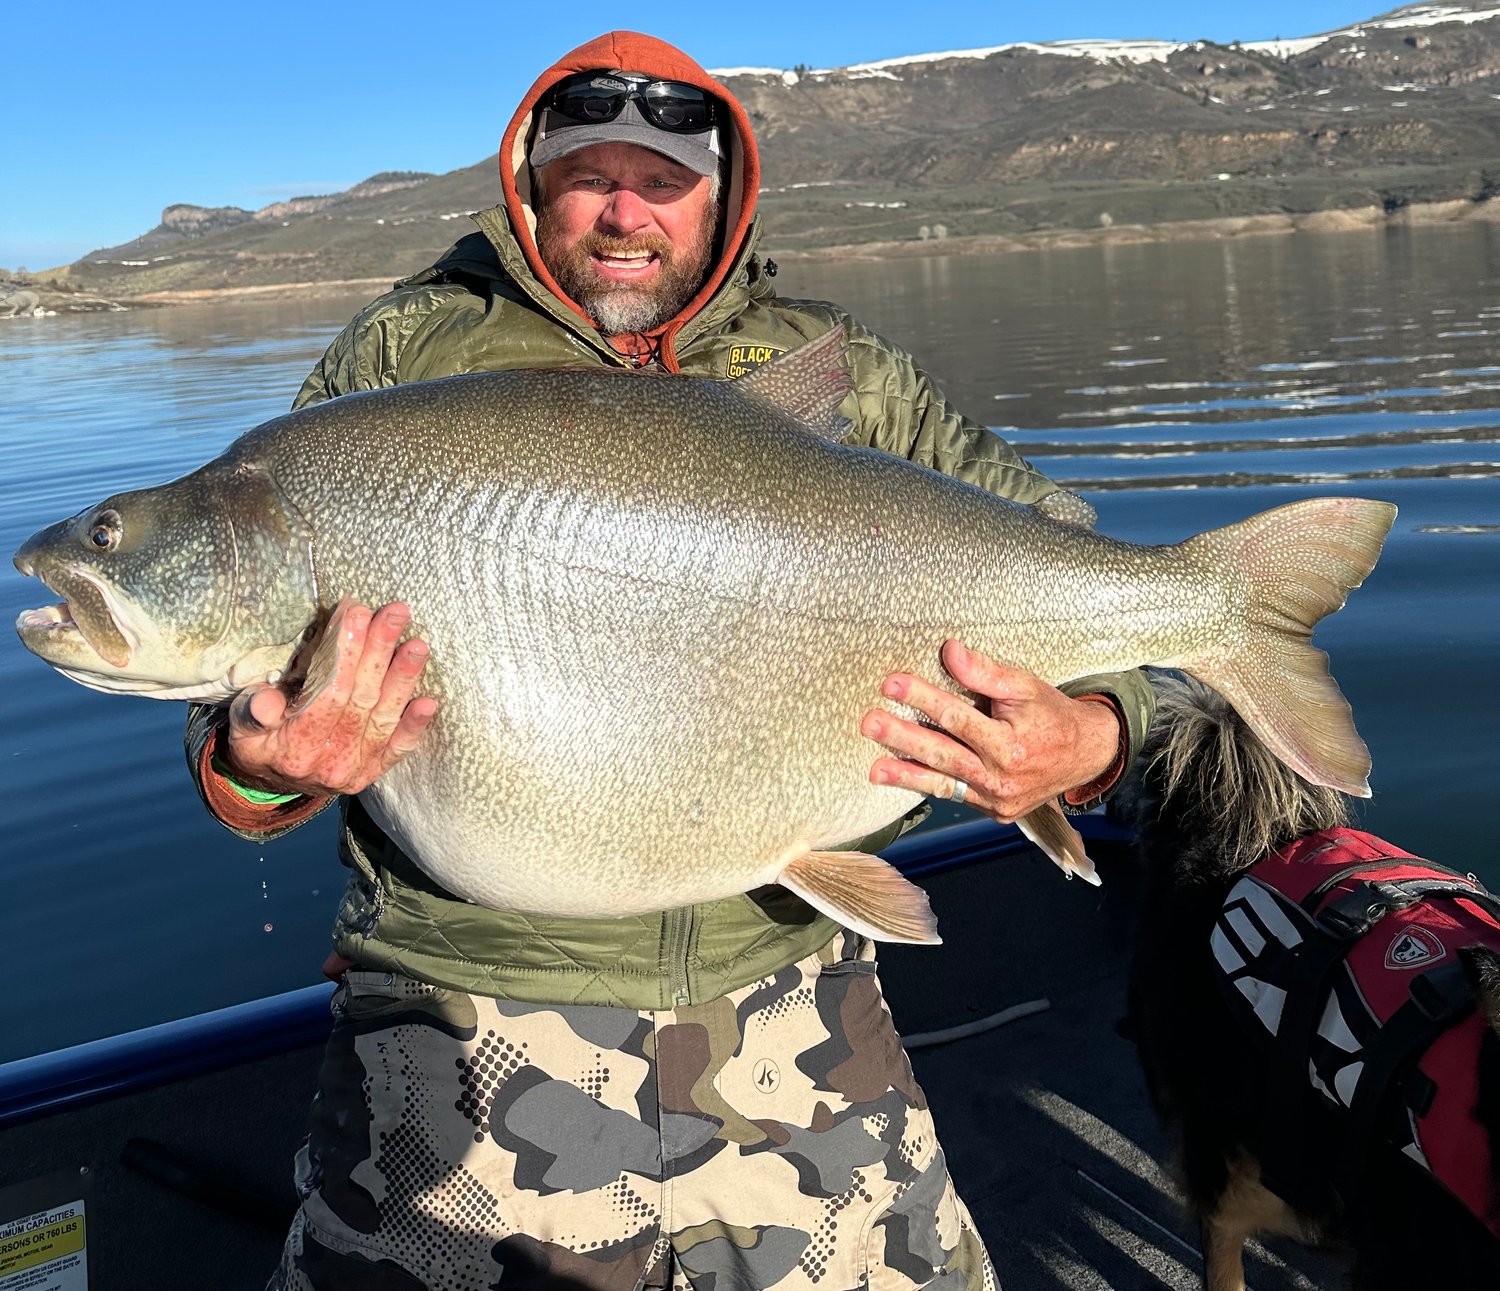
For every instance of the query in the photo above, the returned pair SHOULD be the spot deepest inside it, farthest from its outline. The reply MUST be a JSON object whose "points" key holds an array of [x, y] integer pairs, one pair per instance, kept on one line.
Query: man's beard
{"points": [[620, 307]]}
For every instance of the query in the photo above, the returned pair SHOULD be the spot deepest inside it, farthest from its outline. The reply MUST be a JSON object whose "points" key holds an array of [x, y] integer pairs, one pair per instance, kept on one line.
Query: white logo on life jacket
{"points": [[1413, 948]]}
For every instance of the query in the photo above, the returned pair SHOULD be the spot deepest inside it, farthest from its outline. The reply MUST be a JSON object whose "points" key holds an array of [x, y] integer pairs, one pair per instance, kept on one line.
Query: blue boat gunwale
{"points": [[49, 1083]]}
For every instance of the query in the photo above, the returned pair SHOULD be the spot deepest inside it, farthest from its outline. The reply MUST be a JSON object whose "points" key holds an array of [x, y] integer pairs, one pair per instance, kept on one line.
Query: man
{"points": [[713, 1095]]}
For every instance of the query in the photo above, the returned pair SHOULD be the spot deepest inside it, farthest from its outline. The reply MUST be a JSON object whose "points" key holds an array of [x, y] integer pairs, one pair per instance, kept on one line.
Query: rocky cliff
{"points": [[1020, 141]]}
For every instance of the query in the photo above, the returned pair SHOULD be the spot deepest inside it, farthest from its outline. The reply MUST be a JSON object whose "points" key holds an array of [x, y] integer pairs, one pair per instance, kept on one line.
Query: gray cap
{"points": [[557, 136]]}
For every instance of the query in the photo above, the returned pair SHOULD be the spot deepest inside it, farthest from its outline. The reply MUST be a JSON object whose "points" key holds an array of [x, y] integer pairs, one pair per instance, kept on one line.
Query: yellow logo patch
{"points": [[746, 358]]}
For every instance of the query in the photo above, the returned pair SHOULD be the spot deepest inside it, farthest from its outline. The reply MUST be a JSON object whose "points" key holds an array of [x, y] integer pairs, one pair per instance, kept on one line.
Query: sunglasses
{"points": [[674, 106]]}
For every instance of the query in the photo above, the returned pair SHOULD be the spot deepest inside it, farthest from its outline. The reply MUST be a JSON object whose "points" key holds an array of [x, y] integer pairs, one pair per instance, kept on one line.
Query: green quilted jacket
{"points": [[478, 308]]}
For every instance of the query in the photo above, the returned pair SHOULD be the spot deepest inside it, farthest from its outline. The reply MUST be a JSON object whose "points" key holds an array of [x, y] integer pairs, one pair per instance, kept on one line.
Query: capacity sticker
{"points": [[45, 1251]]}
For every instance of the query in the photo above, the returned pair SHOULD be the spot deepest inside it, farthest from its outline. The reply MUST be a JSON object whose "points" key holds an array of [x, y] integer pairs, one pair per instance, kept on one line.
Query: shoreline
{"points": [[198, 295], [1219, 228]]}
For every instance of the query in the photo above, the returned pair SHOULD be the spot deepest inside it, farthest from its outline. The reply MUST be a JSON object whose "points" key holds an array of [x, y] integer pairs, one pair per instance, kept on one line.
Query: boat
{"points": [[180, 1137]]}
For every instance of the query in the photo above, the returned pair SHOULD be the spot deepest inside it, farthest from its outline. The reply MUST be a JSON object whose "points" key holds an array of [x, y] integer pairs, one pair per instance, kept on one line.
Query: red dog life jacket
{"points": [[1345, 949]]}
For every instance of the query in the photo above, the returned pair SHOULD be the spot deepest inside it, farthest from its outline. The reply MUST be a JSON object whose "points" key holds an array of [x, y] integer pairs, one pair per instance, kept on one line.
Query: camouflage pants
{"points": [[771, 1138]]}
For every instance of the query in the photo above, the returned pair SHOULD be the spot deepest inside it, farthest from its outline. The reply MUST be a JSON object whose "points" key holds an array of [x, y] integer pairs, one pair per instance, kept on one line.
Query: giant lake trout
{"points": [[658, 607]]}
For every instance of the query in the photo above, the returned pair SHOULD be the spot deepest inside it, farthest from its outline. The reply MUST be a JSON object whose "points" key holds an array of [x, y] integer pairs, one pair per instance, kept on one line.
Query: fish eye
{"points": [[104, 533]]}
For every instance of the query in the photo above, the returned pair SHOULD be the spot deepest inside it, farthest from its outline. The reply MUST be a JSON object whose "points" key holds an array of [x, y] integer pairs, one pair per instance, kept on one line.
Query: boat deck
{"points": [[1045, 1120], [1049, 1133]]}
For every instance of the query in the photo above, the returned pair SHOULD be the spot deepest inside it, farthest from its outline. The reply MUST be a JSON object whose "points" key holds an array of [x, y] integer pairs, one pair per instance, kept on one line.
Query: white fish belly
{"points": [[651, 674]]}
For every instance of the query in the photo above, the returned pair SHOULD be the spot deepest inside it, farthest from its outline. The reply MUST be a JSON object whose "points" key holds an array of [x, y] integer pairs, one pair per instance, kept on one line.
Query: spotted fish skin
{"points": [[657, 609]]}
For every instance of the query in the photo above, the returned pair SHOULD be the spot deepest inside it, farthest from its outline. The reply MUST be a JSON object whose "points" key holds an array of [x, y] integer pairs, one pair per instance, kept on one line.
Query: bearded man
{"points": [[511, 1101]]}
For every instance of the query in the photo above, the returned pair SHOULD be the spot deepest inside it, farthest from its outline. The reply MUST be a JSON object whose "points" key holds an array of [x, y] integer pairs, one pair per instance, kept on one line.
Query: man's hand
{"points": [[1034, 744], [356, 728]]}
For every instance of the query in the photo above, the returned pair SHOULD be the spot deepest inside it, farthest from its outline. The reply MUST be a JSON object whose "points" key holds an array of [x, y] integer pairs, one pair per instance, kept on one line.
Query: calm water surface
{"points": [[1179, 387]]}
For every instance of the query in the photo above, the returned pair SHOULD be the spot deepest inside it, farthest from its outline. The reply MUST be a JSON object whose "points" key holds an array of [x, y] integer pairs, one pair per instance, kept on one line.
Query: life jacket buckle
{"points": [[1350, 915]]}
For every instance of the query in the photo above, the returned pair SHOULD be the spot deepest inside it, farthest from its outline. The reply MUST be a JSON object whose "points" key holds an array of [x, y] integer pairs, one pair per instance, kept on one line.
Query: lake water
{"points": [[1178, 386]]}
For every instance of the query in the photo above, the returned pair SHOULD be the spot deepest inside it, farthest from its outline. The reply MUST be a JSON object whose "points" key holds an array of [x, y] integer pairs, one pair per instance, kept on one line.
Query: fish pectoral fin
{"points": [[1049, 829], [865, 894], [317, 662]]}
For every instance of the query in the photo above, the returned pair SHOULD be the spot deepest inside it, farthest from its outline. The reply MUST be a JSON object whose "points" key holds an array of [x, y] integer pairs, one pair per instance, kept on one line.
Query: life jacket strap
{"points": [[1350, 915], [1439, 998]]}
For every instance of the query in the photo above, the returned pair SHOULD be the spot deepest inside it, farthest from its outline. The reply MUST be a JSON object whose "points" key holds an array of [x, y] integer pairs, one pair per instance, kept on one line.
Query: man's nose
{"points": [[626, 211]]}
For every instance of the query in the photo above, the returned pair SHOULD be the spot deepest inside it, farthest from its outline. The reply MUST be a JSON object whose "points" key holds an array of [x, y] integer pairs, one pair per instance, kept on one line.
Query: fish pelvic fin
{"points": [[1049, 829], [865, 894], [809, 383], [1301, 562]]}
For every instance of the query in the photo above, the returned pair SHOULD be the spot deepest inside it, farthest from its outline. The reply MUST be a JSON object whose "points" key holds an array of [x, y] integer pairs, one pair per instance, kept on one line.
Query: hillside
{"points": [[1021, 141]]}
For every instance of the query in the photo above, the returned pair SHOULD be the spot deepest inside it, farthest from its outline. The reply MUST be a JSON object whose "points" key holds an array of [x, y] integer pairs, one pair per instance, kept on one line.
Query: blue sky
{"points": [[113, 111]]}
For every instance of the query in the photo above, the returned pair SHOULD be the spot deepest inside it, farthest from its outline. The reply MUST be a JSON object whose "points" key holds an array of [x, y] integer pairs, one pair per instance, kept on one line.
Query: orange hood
{"points": [[630, 51]]}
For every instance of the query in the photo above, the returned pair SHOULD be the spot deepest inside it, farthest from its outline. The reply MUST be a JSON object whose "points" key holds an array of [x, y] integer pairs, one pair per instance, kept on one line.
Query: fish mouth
{"points": [[46, 619], [84, 618]]}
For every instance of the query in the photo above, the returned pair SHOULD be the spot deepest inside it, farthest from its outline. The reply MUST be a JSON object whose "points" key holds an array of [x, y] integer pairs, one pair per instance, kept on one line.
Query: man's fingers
{"points": [[922, 744], [1032, 744], [360, 718], [399, 684], [257, 709], [384, 721], [381, 635], [983, 675], [329, 672], [348, 627], [953, 713], [414, 721], [900, 774], [336, 711]]}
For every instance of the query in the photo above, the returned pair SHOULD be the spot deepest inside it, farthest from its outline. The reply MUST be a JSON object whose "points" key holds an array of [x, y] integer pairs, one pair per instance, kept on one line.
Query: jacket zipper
{"points": [[679, 935]]}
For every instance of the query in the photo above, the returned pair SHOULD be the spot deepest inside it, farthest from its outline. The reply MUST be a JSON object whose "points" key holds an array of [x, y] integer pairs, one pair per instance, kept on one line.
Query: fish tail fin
{"points": [[1301, 562], [1049, 829], [865, 894]]}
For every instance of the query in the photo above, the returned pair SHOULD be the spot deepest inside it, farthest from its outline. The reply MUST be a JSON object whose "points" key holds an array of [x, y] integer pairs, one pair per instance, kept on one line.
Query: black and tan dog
{"points": [[1317, 1013]]}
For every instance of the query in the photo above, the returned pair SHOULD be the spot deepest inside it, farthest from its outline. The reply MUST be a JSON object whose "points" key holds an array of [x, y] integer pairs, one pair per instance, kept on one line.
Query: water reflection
{"points": [[1193, 315], [1185, 386]]}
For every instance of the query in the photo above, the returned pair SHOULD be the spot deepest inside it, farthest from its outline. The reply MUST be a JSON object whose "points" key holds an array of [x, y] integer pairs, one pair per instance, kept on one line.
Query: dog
{"points": [[1394, 1152]]}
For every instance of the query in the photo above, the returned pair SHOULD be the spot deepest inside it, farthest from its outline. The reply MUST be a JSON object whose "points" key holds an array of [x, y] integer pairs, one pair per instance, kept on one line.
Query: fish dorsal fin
{"points": [[1068, 508], [865, 894], [810, 383], [1049, 829]]}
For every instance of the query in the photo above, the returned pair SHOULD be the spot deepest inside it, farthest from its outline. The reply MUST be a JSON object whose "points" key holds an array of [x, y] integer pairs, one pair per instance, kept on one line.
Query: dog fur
{"points": [[1208, 801]]}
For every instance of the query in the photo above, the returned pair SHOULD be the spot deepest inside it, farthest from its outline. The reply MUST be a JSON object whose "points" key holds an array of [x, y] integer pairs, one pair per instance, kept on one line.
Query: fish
{"points": [[658, 606]]}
